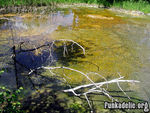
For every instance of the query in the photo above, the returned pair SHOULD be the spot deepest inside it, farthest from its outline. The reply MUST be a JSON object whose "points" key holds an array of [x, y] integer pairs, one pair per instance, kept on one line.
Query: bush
{"points": [[9, 101]]}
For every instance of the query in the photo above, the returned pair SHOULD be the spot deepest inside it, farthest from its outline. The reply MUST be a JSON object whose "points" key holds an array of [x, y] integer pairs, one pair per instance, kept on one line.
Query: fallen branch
{"points": [[93, 87], [102, 83]]}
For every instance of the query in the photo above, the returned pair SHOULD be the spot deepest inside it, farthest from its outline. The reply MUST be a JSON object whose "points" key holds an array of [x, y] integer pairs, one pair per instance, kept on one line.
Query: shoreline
{"points": [[114, 9], [25, 9]]}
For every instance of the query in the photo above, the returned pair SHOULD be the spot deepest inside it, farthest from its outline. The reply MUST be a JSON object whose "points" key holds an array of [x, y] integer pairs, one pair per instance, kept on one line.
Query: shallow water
{"points": [[113, 43]]}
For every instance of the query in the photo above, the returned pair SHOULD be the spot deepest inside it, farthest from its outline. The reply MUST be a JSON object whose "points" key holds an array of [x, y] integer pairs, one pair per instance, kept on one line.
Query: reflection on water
{"points": [[113, 44]]}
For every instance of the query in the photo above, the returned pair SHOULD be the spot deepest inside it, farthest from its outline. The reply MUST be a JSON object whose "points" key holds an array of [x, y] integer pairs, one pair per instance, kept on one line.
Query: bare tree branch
{"points": [[93, 87]]}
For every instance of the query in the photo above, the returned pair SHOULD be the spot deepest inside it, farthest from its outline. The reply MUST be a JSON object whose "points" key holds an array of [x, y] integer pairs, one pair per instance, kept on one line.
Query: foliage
{"points": [[79, 108], [1, 72], [76, 108], [9, 102], [141, 5]]}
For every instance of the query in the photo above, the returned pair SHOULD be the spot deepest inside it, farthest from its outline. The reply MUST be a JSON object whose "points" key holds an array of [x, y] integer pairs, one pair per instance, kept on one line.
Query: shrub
{"points": [[9, 102]]}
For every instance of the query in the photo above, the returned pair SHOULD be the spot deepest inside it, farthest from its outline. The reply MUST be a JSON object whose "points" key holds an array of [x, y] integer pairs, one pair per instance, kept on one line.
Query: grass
{"points": [[4, 3], [140, 5], [143, 6], [77, 1]]}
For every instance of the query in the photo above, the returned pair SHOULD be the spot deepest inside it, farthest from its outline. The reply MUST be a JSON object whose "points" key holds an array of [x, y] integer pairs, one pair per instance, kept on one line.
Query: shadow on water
{"points": [[43, 57], [70, 56], [32, 59], [46, 98]]}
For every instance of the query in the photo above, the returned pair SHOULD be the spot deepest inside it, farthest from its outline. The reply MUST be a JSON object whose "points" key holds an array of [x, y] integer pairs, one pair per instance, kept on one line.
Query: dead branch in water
{"points": [[93, 87]]}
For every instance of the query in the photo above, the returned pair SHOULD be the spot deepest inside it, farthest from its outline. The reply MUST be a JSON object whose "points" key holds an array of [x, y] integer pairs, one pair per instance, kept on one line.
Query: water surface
{"points": [[113, 43]]}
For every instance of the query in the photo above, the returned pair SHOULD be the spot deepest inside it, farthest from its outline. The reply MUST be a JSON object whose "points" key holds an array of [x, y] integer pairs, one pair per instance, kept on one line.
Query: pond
{"points": [[114, 43]]}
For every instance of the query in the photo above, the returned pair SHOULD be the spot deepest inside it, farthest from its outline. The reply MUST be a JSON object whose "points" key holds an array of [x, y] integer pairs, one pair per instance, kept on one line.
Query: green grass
{"points": [[77, 1], [143, 6], [4, 3], [140, 5]]}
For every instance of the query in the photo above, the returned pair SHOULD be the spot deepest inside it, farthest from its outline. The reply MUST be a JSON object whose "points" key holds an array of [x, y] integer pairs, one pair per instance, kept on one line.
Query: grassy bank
{"points": [[140, 5], [4, 3], [143, 6]]}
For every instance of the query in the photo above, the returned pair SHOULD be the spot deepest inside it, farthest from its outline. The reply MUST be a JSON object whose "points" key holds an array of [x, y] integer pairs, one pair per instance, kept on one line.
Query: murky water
{"points": [[114, 44]]}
